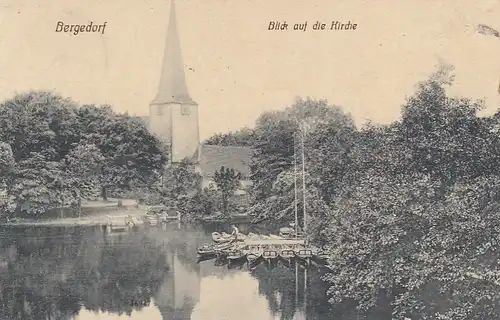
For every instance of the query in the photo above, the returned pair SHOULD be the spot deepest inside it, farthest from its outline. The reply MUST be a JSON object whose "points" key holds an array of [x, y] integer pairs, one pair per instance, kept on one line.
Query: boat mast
{"points": [[304, 179], [295, 187]]}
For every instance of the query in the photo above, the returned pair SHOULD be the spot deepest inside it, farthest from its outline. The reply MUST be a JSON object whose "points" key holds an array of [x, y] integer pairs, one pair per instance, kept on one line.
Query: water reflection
{"points": [[85, 273]]}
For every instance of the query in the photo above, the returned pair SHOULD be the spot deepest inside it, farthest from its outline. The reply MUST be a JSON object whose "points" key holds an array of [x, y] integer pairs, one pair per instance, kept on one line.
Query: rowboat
{"points": [[221, 238], [236, 264], [209, 248], [287, 254], [320, 258], [269, 254], [236, 254], [206, 248], [254, 254], [205, 257], [289, 233], [304, 253], [220, 261], [223, 248]]}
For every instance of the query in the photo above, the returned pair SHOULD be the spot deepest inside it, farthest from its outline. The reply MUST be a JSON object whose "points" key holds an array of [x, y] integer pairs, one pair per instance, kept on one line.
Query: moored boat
{"points": [[320, 258], [269, 254], [287, 254], [224, 249], [254, 254], [221, 238], [236, 254], [286, 232], [206, 248], [304, 253], [205, 257]]}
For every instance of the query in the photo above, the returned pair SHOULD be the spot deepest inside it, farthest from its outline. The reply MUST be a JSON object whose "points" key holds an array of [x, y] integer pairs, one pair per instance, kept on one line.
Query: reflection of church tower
{"points": [[173, 115], [180, 290]]}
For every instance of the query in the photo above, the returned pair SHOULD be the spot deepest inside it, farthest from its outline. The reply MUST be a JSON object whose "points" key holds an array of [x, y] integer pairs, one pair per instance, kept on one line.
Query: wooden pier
{"points": [[258, 248], [274, 242]]}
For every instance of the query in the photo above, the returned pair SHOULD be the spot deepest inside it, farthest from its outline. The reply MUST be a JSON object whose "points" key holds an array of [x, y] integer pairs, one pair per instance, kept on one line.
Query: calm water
{"points": [[149, 273]]}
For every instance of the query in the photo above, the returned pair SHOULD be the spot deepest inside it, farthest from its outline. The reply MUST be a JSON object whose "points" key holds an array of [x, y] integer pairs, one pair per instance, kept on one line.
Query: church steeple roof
{"points": [[172, 86]]}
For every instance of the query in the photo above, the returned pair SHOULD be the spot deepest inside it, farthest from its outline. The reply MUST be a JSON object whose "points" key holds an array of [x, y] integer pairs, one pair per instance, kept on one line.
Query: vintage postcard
{"points": [[249, 160]]}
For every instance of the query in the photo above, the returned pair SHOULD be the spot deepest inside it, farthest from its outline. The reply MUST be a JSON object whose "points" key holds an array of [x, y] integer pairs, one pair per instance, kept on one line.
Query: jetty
{"points": [[254, 249], [275, 242]]}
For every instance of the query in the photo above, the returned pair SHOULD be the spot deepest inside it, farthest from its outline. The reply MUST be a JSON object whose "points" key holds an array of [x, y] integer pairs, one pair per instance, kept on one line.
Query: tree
{"points": [[7, 175], [133, 157], [446, 138], [61, 151], [227, 181], [275, 132], [241, 138], [416, 215], [38, 122], [39, 186], [182, 191]]}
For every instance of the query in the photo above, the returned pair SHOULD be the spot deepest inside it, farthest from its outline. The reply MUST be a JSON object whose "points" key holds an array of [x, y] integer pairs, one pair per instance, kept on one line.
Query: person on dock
{"points": [[235, 233]]}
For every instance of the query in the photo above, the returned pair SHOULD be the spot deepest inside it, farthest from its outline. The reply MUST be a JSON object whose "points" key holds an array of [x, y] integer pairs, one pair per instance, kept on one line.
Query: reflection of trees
{"points": [[56, 271], [279, 287], [184, 243]]}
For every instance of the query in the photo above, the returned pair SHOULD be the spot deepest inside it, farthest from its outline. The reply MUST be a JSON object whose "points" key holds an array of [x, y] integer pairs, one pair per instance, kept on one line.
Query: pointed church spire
{"points": [[172, 86]]}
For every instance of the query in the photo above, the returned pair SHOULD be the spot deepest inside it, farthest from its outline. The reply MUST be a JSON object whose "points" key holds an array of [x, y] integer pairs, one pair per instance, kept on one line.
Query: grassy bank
{"points": [[94, 213]]}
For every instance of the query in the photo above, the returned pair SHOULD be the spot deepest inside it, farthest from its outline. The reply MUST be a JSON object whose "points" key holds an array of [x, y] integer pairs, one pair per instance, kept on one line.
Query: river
{"points": [[84, 273]]}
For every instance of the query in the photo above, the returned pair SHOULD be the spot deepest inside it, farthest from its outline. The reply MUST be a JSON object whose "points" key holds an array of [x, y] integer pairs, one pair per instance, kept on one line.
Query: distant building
{"points": [[173, 118], [212, 158]]}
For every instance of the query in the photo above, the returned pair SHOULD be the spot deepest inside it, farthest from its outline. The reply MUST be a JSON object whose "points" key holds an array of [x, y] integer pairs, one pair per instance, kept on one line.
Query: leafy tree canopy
{"points": [[55, 152]]}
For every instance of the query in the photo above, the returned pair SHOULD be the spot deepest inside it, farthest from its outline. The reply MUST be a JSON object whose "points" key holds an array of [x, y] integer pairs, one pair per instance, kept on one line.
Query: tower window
{"points": [[185, 110], [159, 111]]}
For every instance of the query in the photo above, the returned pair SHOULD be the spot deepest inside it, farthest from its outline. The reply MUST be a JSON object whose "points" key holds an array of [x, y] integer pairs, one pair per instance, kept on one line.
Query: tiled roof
{"points": [[213, 157]]}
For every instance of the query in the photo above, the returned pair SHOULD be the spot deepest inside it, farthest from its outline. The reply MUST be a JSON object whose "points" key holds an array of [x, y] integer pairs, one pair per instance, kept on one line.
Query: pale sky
{"points": [[241, 69]]}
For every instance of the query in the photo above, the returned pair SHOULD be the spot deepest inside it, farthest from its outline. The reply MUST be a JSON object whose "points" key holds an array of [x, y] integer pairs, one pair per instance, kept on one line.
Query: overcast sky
{"points": [[239, 68]]}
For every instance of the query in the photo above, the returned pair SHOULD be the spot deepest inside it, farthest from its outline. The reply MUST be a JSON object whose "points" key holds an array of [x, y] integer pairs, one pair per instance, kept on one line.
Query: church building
{"points": [[173, 118]]}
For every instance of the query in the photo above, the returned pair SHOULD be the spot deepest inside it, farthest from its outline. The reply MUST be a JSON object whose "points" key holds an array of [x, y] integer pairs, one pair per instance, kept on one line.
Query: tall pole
{"points": [[305, 291], [304, 181], [296, 284], [295, 187]]}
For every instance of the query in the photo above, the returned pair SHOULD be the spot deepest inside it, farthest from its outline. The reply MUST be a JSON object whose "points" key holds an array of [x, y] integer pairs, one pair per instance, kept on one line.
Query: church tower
{"points": [[173, 114]]}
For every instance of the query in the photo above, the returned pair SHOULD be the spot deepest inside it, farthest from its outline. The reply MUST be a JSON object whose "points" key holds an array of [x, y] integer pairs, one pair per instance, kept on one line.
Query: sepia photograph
{"points": [[249, 160]]}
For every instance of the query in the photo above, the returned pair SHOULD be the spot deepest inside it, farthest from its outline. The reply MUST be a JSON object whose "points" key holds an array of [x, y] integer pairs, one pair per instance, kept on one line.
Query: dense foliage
{"points": [[407, 211], [241, 138], [227, 181], [182, 190], [54, 153]]}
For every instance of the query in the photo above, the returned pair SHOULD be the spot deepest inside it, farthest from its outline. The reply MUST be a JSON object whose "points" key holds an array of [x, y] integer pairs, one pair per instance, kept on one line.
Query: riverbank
{"points": [[234, 218], [101, 213]]}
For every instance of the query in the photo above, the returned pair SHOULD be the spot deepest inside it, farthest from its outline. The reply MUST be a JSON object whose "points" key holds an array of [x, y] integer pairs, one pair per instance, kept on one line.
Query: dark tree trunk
{"points": [[104, 193]]}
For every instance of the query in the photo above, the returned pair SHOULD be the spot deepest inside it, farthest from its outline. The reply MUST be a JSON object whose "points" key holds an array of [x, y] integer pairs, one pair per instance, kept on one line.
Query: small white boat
{"points": [[269, 254], [253, 254], [287, 254], [304, 253], [220, 238]]}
